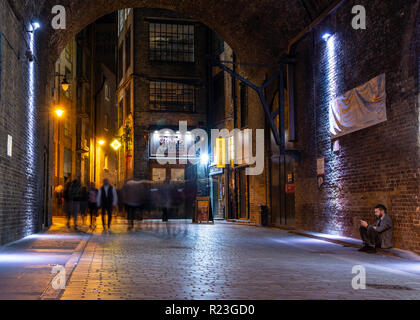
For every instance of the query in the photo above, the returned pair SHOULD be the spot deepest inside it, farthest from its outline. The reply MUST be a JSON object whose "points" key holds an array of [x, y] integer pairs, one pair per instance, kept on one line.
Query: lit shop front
{"points": [[170, 164]]}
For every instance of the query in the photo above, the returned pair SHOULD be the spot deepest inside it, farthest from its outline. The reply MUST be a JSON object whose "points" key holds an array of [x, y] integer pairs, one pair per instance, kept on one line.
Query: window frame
{"points": [[166, 105], [168, 53]]}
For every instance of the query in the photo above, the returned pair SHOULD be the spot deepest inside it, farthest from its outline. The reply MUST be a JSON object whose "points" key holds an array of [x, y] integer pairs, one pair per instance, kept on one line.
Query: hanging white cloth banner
{"points": [[359, 108]]}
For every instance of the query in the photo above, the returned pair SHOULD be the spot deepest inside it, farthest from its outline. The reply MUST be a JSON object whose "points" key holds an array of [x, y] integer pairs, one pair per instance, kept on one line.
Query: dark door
{"points": [[243, 194], [282, 203], [275, 191], [233, 211]]}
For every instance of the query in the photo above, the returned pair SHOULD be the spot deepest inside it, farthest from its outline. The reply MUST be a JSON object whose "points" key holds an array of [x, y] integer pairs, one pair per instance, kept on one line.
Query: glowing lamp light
{"points": [[36, 25], [116, 145], [101, 142], [204, 159], [59, 112], [326, 36], [65, 84]]}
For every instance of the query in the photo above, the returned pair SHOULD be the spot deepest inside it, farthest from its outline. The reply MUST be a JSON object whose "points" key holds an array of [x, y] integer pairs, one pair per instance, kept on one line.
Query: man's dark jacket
{"points": [[384, 228]]}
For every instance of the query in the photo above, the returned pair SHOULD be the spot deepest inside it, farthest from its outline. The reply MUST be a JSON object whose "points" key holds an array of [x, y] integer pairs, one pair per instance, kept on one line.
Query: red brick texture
{"points": [[379, 164]]}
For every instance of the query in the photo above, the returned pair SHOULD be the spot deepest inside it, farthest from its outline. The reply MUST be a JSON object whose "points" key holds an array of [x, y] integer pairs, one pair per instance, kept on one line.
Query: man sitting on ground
{"points": [[378, 235]]}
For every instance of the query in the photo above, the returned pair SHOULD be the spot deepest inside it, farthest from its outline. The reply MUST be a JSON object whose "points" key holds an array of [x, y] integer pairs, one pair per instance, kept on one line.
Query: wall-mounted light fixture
{"points": [[35, 25], [65, 84], [326, 36]]}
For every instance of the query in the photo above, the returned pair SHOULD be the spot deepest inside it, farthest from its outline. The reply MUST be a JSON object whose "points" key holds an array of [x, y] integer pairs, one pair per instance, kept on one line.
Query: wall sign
{"points": [[320, 171], [202, 211], [9, 145], [178, 175], [159, 174], [320, 166], [290, 188]]}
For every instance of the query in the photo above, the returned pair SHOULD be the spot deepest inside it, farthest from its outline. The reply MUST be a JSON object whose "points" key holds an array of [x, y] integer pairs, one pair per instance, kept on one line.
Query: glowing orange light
{"points": [[59, 112]]}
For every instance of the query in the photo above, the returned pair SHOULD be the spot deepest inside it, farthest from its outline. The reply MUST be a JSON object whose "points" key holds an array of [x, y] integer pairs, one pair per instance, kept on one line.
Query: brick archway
{"points": [[257, 30]]}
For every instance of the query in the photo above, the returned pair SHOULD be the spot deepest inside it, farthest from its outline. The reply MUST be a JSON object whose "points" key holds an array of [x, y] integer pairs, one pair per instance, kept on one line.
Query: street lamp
{"points": [[101, 142], [65, 84], [59, 112]]}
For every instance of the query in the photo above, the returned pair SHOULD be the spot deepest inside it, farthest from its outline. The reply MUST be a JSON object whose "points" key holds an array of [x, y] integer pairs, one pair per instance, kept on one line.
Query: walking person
{"points": [[107, 200], [84, 197], [131, 196], [92, 206], [75, 191]]}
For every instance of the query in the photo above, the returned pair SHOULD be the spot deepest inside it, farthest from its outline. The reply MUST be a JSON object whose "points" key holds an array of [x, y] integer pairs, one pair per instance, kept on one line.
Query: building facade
{"points": [[162, 74]]}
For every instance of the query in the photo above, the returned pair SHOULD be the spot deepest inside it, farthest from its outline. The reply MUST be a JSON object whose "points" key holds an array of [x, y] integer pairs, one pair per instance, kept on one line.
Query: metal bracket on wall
{"points": [[278, 132]]}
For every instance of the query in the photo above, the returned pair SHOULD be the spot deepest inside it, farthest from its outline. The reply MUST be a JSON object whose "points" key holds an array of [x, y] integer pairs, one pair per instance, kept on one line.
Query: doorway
{"points": [[282, 195]]}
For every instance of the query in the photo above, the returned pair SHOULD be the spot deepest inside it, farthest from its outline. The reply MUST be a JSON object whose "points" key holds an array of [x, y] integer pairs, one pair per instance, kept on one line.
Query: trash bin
{"points": [[264, 216]]}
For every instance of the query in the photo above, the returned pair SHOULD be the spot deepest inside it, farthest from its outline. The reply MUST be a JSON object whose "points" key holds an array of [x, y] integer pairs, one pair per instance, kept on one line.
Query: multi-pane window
{"points": [[121, 20], [128, 49], [106, 122], [120, 63], [171, 96], [67, 130], [120, 113], [127, 101], [107, 92], [171, 42]]}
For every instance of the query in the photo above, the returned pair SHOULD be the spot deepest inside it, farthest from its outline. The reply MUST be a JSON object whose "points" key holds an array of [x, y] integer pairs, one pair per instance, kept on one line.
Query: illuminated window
{"points": [[107, 92], [67, 127], [67, 162], [106, 163], [171, 42], [171, 96]]}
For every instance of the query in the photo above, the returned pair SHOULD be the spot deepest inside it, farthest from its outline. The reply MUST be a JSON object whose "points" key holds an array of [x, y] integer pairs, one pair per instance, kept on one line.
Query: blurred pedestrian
{"points": [[92, 206], [107, 200], [67, 200], [75, 192], [131, 197], [84, 197]]}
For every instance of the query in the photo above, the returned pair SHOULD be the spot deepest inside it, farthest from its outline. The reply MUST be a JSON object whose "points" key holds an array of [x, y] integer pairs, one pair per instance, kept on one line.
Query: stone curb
{"points": [[49, 292]]}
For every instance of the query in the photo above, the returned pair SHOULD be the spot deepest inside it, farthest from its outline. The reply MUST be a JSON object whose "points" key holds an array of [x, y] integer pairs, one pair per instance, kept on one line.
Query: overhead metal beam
{"points": [[278, 132]]}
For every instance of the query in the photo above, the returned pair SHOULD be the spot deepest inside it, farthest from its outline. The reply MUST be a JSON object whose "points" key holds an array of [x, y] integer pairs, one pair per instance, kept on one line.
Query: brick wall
{"points": [[379, 164], [21, 191]]}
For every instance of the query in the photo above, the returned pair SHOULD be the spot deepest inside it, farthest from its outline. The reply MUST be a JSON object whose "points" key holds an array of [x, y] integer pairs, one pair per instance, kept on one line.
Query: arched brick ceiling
{"points": [[258, 30]]}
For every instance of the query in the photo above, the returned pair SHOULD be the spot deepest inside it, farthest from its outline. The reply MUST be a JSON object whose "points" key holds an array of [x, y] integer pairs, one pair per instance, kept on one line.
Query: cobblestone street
{"points": [[178, 260]]}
